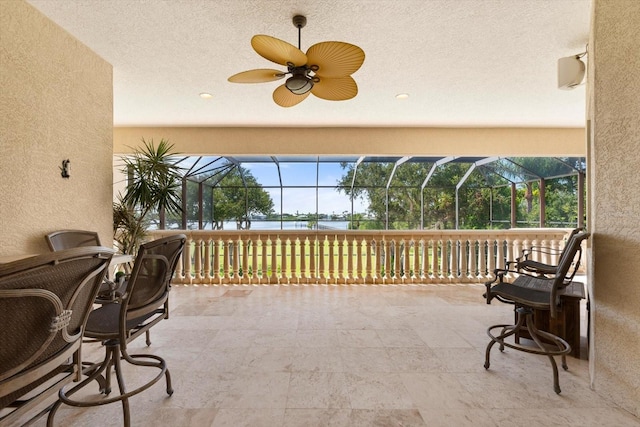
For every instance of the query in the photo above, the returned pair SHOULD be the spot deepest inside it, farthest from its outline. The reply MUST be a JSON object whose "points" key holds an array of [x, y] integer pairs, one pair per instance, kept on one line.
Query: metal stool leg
{"points": [[525, 320]]}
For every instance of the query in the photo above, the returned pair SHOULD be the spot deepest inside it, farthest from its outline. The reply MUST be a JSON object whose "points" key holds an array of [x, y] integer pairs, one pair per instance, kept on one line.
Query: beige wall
{"points": [[614, 171], [360, 141], [56, 102]]}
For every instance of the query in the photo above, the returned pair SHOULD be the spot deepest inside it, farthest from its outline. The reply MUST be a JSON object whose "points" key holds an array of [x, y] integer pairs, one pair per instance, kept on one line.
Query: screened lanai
{"points": [[339, 191], [380, 192]]}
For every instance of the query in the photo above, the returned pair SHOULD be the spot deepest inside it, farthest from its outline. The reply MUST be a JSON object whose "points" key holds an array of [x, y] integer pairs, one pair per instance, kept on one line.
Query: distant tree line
{"points": [[481, 203]]}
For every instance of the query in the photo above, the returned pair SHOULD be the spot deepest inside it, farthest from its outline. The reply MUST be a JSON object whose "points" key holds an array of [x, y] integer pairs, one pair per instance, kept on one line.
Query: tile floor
{"points": [[345, 356]]}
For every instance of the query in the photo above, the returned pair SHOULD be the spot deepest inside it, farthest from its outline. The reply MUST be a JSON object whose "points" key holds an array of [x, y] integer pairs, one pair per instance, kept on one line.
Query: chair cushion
{"points": [[537, 298], [103, 322]]}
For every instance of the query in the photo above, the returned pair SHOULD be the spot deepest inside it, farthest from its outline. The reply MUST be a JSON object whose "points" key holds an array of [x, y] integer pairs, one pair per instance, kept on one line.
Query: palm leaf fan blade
{"points": [[335, 59], [260, 75], [278, 51], [337, 89], [284, 98]]}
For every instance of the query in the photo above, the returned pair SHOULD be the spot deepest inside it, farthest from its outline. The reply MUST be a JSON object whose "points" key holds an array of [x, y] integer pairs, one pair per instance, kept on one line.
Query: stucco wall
{"points": [[614, 170], [56, 102], [427, 141]]}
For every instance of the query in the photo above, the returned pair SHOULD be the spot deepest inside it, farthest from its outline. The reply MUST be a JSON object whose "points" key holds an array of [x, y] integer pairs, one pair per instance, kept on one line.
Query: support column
{"points": [[543, 203], [513, 205], [184, 203], [581, 199], [200, 206]]}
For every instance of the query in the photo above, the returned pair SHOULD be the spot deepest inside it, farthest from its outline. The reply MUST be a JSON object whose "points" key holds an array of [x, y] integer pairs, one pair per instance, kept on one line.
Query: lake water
{"points": [[287, 225]]}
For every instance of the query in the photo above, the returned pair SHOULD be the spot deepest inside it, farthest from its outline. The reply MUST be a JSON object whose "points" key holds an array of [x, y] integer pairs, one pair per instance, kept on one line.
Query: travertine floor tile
{"points": [[343, 356], [374, 390], [318, 390]]}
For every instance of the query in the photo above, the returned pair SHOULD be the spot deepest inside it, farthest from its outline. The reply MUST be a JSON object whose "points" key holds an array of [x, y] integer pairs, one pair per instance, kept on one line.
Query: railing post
{"points": [[358, 275], [483, 271], [379, 255], [293, 243], [254, 259], [274, 264], [435, 245], [406, 257], [517, 246], [509, 255], [313, 241], [197, 261], [369, 258], [226, 264], [284, 270], [492, 256], [342, 277], [216, 261], [454, 244], [304, 278], [444, 260], [332, 272], [264, 260], [246, 277], [464, 260], [386, 244], [351, 252], [321, 246], [397, 258], [501, 256], [207, 261], [473, 257], [187, 260]]}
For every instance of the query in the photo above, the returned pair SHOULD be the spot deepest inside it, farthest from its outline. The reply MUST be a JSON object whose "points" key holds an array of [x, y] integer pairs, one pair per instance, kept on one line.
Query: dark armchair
{"points": [[529, 294]]}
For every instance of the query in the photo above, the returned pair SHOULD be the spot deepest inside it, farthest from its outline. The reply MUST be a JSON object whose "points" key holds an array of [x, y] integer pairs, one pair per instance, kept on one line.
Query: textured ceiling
{"points": [[463, 62]]}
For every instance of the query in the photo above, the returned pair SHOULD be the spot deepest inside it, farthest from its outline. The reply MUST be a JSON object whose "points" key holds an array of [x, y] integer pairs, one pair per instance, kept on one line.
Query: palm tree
{"points": [[154, 185]]}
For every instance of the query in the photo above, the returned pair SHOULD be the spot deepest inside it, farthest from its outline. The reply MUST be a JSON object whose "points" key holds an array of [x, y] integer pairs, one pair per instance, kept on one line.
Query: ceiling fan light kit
{"points": [[300, 82], [324, 71]]}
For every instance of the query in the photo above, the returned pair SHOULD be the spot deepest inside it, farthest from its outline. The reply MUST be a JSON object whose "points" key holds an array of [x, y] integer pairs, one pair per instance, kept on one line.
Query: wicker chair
{"points": [[143, 305], [44, 305], [529, 293]]}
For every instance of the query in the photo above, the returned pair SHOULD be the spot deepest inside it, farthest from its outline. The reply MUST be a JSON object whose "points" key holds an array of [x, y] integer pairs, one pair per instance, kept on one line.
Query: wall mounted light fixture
{"points": [[65, 170]]}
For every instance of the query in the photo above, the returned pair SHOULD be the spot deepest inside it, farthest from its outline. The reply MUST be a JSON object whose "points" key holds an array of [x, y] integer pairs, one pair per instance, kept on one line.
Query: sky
{"points": [[303, 200]]}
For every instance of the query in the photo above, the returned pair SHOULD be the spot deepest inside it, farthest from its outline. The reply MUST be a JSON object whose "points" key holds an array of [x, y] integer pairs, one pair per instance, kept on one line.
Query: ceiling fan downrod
{"points": [[299, 21]]}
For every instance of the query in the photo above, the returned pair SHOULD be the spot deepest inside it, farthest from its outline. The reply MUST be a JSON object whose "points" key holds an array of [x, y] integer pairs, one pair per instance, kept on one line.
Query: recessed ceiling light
{"points": [[402, 96], [205, 95]]}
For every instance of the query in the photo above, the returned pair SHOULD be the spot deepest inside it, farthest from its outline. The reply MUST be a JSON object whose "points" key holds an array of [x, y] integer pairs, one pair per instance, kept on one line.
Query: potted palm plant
{"points": [[153, 185]]}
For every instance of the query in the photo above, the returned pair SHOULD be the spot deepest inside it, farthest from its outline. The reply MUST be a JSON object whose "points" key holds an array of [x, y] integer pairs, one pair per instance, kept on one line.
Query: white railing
{"points": [[353, 257]]}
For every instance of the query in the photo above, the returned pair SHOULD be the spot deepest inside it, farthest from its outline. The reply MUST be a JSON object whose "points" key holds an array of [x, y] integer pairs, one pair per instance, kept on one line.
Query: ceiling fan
{"points": [[325, 70]]}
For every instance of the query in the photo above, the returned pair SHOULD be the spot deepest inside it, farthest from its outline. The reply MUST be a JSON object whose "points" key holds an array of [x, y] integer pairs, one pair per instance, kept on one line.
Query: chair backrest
{"points": [[565, 252], [67, 239], [44, 305], [150, 279], [561, 280]]}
